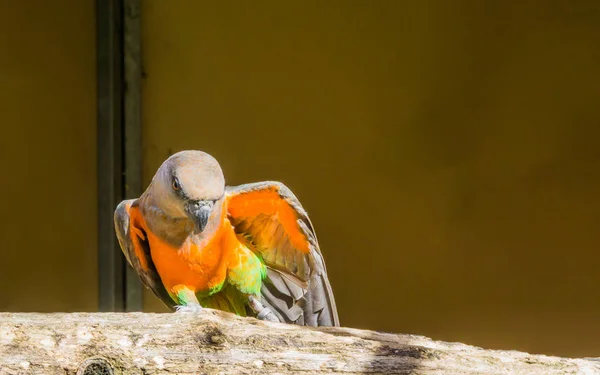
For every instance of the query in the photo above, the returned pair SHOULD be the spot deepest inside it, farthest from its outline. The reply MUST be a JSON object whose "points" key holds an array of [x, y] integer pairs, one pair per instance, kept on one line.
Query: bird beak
{"points": [[199, 212]]}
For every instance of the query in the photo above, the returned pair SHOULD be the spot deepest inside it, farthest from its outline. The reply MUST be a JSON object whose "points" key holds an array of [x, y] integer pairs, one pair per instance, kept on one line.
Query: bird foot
{"points": [[188, 308], [267, 314], [262, 312]]}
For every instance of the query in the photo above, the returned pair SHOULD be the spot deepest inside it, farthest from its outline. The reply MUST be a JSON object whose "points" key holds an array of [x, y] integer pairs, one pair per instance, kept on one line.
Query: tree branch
{"points": [[215, 342]]}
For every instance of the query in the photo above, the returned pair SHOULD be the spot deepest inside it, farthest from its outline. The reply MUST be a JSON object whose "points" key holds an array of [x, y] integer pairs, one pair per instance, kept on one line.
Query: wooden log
{"points": [[214, 342]]}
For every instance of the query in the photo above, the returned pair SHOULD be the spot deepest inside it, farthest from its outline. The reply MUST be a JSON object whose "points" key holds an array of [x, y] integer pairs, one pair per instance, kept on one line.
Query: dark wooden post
{"points": [[119, 143]]}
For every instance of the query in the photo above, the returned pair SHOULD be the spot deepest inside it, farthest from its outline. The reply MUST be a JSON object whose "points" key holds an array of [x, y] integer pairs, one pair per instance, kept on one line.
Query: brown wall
{"points": [[48, 156], [447, 151]]}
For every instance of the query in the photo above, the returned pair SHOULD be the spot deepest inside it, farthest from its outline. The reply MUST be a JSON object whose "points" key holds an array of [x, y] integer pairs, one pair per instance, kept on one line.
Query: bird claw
{"points": [[262, 312], [188, 308], [267, 314]]}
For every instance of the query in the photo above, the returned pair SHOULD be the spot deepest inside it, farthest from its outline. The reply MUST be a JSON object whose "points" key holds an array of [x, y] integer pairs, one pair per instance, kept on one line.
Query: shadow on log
{"points": [[214, 342]]}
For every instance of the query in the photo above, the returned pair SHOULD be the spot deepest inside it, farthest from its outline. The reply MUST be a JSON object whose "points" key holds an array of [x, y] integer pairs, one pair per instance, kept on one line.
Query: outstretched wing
{"points": [[272, 219], [136, 249]]}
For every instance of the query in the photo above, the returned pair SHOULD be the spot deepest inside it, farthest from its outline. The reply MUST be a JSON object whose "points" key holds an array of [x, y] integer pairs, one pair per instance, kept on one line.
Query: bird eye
{"points": [[176, 185]]}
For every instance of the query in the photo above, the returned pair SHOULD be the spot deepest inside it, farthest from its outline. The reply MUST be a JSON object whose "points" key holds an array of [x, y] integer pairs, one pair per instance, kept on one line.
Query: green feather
{"points": [[228, 299], [247, 277]]}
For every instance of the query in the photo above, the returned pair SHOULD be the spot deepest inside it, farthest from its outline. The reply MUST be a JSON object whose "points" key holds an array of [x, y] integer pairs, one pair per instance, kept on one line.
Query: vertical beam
{"points": [[110, 127], [132, 134]]}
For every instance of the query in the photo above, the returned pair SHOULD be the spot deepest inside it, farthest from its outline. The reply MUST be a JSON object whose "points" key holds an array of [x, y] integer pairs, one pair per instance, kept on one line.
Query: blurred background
{"points": [[448, 152]]}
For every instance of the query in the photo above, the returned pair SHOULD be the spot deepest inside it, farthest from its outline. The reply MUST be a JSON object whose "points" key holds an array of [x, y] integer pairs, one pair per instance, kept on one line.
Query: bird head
{"points": [[188, 185]]}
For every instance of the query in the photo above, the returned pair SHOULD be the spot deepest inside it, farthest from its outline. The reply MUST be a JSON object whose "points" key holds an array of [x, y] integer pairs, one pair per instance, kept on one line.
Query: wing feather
{"points": [[296, 287], [134, 245]]}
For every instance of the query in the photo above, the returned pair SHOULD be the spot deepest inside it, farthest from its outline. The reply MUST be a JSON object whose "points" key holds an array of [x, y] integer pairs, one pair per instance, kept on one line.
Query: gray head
{"points": [[187, 185]]}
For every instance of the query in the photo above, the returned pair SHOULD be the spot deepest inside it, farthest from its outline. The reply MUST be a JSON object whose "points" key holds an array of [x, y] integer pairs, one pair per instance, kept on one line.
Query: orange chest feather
{"points": [[199, 267]]}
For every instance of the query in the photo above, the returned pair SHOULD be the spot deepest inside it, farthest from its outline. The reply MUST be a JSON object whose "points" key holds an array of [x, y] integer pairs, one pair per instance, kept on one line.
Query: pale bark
{"points": [[214, 342]]}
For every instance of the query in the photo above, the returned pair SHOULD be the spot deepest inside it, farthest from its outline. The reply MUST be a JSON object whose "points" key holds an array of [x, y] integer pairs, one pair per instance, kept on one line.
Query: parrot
{"points": [[249, 249]]}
